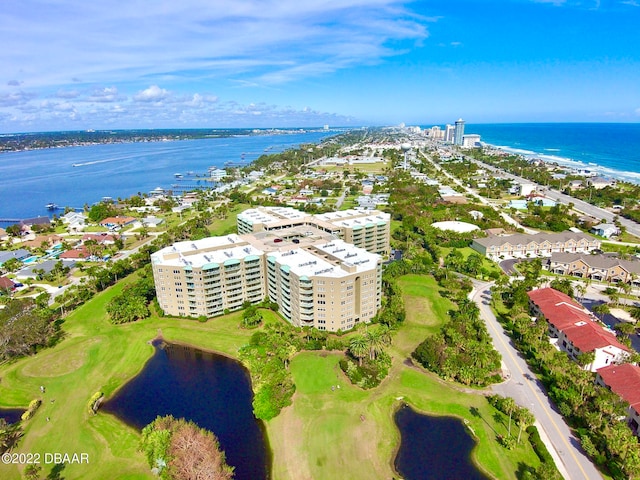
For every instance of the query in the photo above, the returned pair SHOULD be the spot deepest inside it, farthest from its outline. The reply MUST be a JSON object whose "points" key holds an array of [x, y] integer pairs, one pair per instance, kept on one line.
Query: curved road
{"points": [[523, 386]]}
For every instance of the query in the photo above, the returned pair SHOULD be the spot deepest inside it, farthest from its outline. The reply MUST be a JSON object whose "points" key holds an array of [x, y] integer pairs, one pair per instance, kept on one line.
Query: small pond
{"points": [[11, 415], [434, 448], [212, 390]]}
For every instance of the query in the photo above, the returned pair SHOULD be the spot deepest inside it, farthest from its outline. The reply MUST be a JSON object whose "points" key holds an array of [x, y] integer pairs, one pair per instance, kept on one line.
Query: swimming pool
{"points": [[30, 260]]}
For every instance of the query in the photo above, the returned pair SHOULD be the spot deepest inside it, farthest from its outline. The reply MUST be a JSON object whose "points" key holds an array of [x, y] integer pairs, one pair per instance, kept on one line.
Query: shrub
{"points": [[94, 402], [31, 410]]}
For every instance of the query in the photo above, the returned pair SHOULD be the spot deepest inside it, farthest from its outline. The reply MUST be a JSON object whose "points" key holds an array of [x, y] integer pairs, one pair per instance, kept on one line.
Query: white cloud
{"points": [[16, 98], [95, 42], [105, 95], [152, 94]]}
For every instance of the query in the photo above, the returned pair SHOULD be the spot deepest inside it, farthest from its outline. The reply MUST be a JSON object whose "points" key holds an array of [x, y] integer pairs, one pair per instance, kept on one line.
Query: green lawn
{"points": [[324, 434], [97, 356], [327, 432]]}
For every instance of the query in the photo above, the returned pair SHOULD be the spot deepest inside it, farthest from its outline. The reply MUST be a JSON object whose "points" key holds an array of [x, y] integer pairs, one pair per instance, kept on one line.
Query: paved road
{"points": [[579, 205], [528, 392]]}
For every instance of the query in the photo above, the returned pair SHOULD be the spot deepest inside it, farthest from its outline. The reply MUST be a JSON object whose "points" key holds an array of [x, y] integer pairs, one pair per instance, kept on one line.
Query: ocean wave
{"points": [[515, 150], [624, 175]]}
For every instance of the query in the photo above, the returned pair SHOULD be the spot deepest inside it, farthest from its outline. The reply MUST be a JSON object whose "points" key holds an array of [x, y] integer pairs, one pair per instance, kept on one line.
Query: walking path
{"points": [[523, 386]]}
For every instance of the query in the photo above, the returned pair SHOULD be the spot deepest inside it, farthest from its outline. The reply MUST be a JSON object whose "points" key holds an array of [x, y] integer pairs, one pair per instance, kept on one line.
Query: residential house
{"points": [[538, 245], [606, 230], [152, 222], [40, 240], [3, 235], [27, 223], [45, 267], [600, 182], [117, 222], [6, 285], [79, 253], [103, 238], [76, 221], [624, 381], [19, 254], [603, 268], [574, 330]]}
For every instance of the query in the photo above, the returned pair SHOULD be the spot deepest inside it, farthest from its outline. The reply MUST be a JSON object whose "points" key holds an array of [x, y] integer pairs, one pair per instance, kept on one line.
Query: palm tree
{"points": [[359, 347], [602, 309], [375, 342], [509, 407], [524, 418]]}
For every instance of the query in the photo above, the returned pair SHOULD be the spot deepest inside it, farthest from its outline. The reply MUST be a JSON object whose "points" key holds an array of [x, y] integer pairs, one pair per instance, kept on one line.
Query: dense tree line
{"points": [[595, 412], [25, 326], [180, 450], [133, 303], [462, 350], [267, 356]]}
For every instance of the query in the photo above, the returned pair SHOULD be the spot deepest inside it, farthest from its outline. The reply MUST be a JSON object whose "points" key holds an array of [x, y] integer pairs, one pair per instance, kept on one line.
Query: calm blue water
{"points": [[434, 448], [29, 180], [211, 390], [612, 149]]}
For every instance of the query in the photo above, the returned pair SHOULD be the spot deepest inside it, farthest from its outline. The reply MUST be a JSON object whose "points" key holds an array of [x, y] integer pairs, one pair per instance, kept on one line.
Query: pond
{"points": [[11, 415], [212, 390], [434, 448]]}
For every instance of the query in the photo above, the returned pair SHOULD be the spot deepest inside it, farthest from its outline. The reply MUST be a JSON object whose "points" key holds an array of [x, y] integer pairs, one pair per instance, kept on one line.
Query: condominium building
{"points": [[206, 277], [368, 229], [317, 279]]}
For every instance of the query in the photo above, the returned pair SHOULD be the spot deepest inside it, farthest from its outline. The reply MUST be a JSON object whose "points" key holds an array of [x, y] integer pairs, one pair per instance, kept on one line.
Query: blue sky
{"points": [[73, 64]]}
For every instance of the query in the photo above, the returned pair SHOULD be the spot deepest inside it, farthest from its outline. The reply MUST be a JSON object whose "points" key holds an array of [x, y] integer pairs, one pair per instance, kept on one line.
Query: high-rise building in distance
{"points": [[459, 132], [449, 131]]}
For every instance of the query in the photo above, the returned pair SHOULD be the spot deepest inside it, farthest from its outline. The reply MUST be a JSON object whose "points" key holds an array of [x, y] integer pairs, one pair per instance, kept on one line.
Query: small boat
{"points": [[177, 175], [51, 206]]}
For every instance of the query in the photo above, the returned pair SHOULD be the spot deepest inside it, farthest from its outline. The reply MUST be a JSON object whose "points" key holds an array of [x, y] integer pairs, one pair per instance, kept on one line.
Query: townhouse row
{"points": [[538, 245], [602, 268], [574, 331]]}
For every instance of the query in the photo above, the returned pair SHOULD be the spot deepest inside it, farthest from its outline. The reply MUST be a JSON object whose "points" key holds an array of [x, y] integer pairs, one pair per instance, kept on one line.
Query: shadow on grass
{"points": [[56, 472], [476, 413]]}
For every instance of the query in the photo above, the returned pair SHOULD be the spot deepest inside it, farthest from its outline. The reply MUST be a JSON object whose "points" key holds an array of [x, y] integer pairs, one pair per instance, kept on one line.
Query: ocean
{"points": [[611, 149], [76, 176]]}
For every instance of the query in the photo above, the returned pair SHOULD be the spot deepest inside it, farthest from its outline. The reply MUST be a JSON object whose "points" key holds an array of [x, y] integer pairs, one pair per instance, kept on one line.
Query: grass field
{"points": [[327, 432], [324, 434]]}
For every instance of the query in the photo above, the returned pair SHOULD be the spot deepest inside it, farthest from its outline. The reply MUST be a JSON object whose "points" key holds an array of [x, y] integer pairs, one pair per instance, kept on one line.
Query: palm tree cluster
{"points": [[373, 362], [370, 344]]}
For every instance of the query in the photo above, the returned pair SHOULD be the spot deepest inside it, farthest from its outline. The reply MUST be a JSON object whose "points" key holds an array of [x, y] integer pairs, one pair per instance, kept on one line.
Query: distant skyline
{"points": [[75, 65]]}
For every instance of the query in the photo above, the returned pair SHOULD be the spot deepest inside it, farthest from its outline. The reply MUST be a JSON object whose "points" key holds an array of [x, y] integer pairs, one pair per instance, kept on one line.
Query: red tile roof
{"points": [[623, 380], [570, 317], [76, 253], [6, 283]]}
